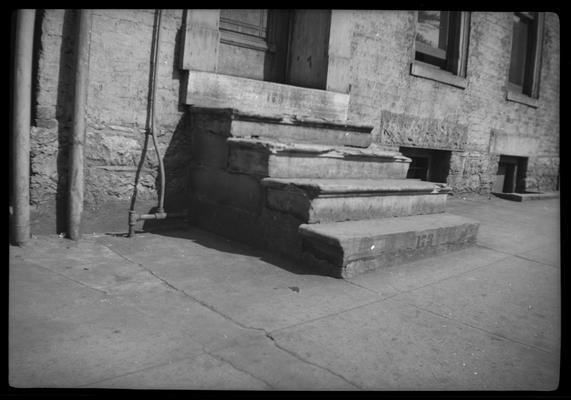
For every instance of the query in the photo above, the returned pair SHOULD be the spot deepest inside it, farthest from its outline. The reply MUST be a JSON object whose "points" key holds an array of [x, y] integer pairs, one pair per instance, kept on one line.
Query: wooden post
{"points": [[75, 181], [21, 125]]}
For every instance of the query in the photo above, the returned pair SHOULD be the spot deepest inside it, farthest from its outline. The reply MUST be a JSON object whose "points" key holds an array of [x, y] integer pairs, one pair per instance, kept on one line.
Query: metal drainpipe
{"points": [[21, 125], [75, 177], [160, 207], [159, 214]]}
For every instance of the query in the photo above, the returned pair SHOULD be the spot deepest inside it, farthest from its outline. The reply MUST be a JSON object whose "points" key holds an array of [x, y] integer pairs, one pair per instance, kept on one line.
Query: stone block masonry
{"points": [[278, 195], [413, 111], [404, 110], [119, 70]]}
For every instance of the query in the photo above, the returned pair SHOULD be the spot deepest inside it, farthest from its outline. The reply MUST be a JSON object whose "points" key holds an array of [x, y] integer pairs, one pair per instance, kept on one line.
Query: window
{"points": [[442, 40], [526, 53]]}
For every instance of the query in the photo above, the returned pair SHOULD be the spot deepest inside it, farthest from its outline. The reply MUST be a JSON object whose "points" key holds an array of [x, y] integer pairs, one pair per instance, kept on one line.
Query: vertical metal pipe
{"points": [[75, 180], [21, 125], [154, 119]]}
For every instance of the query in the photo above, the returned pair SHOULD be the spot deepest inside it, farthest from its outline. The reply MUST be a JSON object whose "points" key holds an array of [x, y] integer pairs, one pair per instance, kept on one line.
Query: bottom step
{"points": [[346, 249]]}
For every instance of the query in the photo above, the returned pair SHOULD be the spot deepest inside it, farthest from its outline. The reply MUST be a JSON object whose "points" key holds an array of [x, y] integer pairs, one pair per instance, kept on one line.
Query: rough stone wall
{"points": [[405, 110], [119, 71], [417, 112]]}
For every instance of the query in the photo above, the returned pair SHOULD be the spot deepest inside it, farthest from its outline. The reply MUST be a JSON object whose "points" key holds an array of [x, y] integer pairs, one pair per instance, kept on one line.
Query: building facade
{"points": [[471, 97]]}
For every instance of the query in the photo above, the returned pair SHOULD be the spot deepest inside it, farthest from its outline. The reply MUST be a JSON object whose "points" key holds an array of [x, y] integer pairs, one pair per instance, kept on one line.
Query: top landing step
{"points": [[211, 90]]}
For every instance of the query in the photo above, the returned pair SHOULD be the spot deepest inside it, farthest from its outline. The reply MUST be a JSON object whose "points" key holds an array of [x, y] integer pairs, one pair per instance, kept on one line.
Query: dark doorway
{"points": [[511, 175], [427, 164]]}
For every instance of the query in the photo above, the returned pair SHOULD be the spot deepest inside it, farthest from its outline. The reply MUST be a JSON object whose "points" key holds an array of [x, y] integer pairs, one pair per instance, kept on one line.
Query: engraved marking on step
{"points": [[424, 240]]}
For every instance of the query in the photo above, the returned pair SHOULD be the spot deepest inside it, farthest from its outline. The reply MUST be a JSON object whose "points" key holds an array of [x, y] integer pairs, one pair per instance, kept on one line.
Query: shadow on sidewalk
{"points": [[183, 230]]}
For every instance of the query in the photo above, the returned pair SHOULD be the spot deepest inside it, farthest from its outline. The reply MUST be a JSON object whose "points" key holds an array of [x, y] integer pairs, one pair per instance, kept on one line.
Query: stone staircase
{"points": [[316, 192]]}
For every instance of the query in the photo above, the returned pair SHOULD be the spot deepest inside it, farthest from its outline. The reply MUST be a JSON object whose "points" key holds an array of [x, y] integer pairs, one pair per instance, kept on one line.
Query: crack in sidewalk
{"points": [[298, 357], [475, 327], [170, 285], [228, 318], [160, 365], [223, 360], [518, 256], [70, 278]]}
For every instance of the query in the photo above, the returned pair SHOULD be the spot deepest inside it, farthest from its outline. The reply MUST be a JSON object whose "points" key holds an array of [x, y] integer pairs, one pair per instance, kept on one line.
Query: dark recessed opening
{"points": [[511, 174], [427, 164]]}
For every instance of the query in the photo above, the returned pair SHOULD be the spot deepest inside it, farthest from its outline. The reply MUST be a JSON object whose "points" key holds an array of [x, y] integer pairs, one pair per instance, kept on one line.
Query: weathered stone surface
{"points": [[301, 134], [349, 248], [543, 173], [287, 160], [301, 129], [472, 171], [209, 149], [334, 187], [331, 200], [271, 230], [401, 129], [514, 145], [405, 110], [223, 91], [110, 182], [527, 196], [226, 188]]}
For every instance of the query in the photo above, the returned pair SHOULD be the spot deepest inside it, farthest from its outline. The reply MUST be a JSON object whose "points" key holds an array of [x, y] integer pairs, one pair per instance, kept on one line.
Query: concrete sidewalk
{"points": [[186, 309]]}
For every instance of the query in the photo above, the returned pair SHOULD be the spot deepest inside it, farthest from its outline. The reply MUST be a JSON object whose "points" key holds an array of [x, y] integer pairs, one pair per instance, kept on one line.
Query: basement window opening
{"points": [[427, 164]]}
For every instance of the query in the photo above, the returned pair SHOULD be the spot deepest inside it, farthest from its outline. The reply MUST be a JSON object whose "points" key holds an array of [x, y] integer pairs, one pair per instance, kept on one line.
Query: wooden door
{"points": [[253, 43], [500, 178], [282, 46], [510, 179], [308, 49]]}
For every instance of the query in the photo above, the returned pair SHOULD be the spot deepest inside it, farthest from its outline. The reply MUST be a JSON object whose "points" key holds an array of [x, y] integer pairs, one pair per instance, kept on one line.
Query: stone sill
{"points": [[250, 96], [527, 196], [521, 98], [427, 71]]}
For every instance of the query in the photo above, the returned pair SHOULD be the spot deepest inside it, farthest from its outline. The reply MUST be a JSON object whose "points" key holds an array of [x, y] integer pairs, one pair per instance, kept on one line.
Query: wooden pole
{"points": [[75, 180], [23, 53]]}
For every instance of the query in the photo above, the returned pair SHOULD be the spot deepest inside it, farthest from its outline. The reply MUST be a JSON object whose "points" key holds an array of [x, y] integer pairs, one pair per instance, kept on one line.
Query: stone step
{"points": [[226, 122], [331, 200], [345, 249], [300, 129], [271, 158]]}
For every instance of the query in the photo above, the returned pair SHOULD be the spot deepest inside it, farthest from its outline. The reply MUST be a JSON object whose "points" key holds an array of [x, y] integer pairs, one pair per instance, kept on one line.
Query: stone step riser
{"points": [[298, 129], [249, 161], [224, 188], [344, 208], [311, 258], [282, 234], [301, 133], [247, 192], [348, 255], [268, 229]]}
